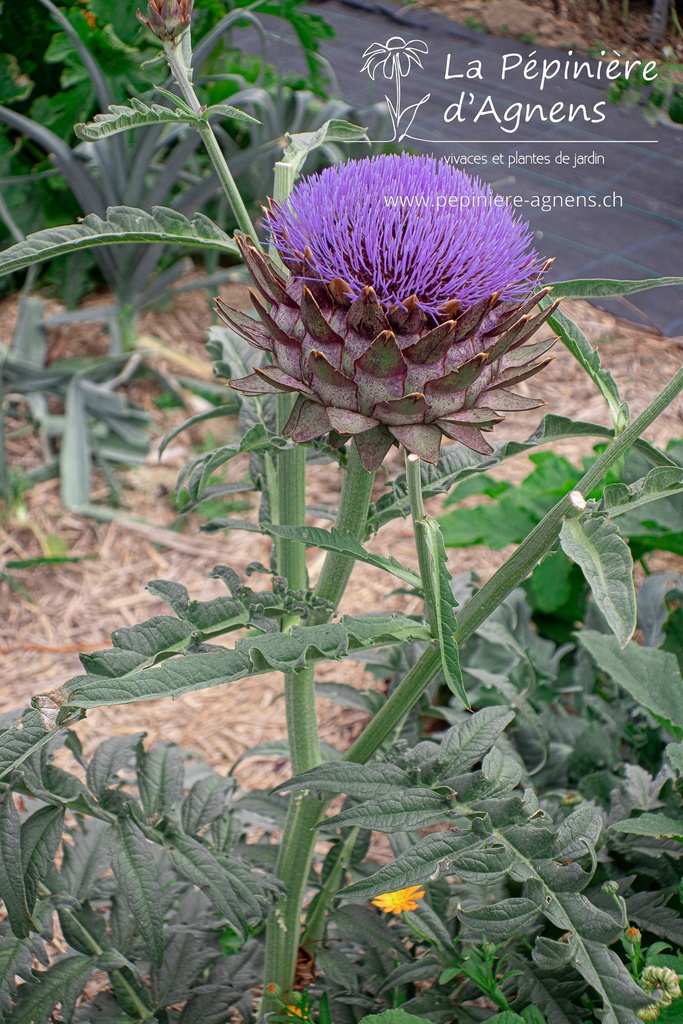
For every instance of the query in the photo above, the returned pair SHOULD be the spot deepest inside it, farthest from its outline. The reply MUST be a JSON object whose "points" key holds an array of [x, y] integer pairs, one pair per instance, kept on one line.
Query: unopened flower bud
{"points": [[488, 948], [167, 19], [663, 980], [632, 935], [610, 888], [650, 1012]]}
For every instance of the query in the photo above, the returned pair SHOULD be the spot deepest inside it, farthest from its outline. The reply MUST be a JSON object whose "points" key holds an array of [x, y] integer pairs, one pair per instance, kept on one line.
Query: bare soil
{"points": [[75, 606]]}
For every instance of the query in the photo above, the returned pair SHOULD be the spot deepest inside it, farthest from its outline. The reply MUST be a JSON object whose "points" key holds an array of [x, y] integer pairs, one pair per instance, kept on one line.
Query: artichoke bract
{"points": [[402, 321]]}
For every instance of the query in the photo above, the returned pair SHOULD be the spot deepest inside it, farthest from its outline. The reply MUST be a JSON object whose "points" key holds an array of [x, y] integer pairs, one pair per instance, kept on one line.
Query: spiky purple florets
{"points": [[407, 226]]}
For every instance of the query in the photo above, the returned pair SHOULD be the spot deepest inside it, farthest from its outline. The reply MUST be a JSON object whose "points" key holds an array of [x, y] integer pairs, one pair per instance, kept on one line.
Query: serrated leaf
{"points": [[355, 780], [421, 863], [123, 224], [160, 779], [123, 117], [660, 482], [184, 960], [226, 110], [575, 340], [304, 645], [441, 605], [400, 811], [654, 824], [606, 562], [20, 741], [346, 544], [652, 677], [466, 743], [301, 144], [205, 801], [16, 960], [41, 835], [109, 758], [12, 890], [137, 873], [197, 864], [501, 920], [63, 983], [602, 288]]}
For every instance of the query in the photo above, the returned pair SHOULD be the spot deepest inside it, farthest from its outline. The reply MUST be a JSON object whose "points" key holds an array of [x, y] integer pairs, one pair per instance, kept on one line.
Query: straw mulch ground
{"points": [[75, 606]]}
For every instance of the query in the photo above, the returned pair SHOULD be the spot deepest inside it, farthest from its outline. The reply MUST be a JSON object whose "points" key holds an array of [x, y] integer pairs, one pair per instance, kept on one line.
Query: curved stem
{"points": [[424, 555], [351, 518], [183, 77], [503, 582]]}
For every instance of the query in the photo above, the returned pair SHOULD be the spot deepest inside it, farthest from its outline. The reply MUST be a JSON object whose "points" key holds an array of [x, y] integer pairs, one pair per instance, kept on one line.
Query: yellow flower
{"points": [[402, 899], [297, 1011]]}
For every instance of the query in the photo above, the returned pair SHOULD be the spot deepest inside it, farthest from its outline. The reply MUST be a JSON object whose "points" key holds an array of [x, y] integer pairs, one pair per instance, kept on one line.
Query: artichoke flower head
{"points": [[405, 318]]}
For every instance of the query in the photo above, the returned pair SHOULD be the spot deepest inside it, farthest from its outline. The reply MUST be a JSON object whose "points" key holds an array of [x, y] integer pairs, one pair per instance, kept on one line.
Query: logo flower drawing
{"points": [[395, 59]]}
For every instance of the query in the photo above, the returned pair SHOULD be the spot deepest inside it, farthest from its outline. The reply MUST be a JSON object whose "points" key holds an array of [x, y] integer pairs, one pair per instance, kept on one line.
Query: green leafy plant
{"points": [[523, 846]]}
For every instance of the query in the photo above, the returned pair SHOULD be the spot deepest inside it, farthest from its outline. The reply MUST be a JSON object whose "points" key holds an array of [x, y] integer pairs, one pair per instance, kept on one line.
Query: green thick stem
{"points": [[351, 518], [283, 933], [510, 575]]}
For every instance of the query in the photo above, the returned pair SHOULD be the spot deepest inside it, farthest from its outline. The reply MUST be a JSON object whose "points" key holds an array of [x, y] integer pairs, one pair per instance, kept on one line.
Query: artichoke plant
{"points": [[404, 318]]}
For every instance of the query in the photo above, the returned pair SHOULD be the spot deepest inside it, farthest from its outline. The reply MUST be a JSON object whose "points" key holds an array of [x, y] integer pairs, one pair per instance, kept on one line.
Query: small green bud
{"points": [[488, 949], [632, 935], [650, 1012], [611, 888], [571, 799]]}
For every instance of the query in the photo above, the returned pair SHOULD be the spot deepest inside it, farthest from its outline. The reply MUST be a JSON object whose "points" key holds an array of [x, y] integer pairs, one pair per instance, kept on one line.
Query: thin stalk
{"points": [[291, 485], [351, 518], [424, 556], [96, 949], [182, 75], [503, 582], [315, 924]]}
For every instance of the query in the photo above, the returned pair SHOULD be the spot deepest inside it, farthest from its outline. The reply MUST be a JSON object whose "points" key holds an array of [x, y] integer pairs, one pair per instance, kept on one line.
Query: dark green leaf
{"points": [[12, 891], [41, 835], [137, 873], [109, 758], [63, 983]]}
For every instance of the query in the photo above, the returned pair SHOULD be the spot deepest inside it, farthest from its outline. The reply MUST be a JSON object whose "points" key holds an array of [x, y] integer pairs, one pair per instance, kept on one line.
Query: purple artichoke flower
{"points": [[403, 320]]}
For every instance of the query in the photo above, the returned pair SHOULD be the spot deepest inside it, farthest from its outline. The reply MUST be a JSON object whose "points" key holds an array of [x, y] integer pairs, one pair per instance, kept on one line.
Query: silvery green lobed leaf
{"points": [[606, 562], [660, 482], [650, 676], [300, 144], [123, 224], [600, 288], [280, 651], [123, 117]]}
